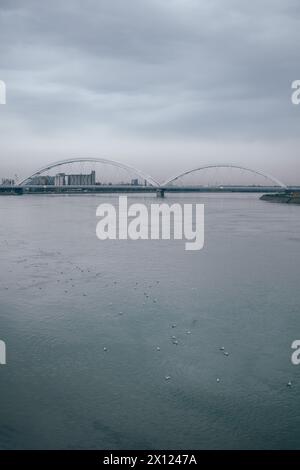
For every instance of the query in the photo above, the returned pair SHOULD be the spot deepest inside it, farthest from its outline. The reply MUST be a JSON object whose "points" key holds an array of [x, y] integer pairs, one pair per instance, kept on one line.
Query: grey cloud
{"points": [[154, 71]]}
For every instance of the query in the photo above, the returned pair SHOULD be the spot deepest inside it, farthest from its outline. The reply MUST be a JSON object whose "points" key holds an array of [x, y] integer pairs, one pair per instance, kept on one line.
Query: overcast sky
{"points": [[160, 84]]}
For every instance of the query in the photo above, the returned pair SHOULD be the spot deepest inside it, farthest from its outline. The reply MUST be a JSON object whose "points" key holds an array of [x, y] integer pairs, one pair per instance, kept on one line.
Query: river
{"points": [[88, 327]]}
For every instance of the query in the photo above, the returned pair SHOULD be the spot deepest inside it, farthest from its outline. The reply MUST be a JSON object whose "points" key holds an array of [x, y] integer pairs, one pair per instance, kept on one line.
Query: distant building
{"points": [[8, 182], [82, 180], [135, 182], [43, 180], [60, 179]]}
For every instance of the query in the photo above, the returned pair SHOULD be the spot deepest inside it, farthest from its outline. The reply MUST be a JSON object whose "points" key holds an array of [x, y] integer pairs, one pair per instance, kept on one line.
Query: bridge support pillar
{"points": [[160, 192]]}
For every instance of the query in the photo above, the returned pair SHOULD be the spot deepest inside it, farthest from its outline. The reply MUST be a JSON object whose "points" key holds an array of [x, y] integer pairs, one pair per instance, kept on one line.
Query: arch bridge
{"points": [[139, 174], [142, 181], [275, 181]]}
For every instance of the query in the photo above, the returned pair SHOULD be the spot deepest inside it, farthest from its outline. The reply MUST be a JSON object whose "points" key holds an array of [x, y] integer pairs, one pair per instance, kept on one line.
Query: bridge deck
{"points": [[136, 189]]}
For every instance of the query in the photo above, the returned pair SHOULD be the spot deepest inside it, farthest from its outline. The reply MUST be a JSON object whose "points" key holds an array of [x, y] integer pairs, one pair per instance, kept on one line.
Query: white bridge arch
{"points": [[148, 178], [105, 161], [204, 167]]}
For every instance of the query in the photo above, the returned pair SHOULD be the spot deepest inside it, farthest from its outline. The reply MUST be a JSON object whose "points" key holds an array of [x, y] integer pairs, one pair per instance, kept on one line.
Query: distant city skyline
{"points": [[162, 85]]}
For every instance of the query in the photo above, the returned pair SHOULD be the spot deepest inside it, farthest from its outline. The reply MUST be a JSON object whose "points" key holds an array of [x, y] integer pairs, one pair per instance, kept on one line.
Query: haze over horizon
{"points": [[163, 85]]}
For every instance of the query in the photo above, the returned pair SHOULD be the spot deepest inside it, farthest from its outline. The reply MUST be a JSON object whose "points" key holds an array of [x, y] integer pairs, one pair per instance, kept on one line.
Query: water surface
{"points": [[65, 296]]}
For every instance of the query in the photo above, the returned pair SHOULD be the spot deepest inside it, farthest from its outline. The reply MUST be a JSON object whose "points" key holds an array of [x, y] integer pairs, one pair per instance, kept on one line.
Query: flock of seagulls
{"points": [[174, 339]]}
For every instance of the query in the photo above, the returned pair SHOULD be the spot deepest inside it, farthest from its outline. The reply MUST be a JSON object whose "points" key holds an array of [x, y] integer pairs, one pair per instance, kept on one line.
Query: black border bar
{"points": [[157, 458]]}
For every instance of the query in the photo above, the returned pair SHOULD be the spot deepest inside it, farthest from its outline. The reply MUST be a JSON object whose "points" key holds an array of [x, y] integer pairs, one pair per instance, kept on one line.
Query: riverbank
{"points": [[286, 198]]}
